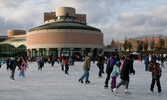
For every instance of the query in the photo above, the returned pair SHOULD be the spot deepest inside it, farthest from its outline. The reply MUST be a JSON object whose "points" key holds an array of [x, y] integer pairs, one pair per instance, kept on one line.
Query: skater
{"points": [[41, 63], [146, 62], [66, 65], [109, 68], [100, 65], [13, 65], [8, 64], [124, 75], [62, 64], [53, 61], [86, 68], [115, 73], [23, 68], [162, 61], [156, 75]]}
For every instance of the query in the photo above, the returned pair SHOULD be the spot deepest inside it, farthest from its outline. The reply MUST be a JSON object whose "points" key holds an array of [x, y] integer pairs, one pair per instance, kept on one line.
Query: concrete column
{"points": [[38, 52], [31, 53], [59, 51], [71, 51], [82, 51], [47, 51]]}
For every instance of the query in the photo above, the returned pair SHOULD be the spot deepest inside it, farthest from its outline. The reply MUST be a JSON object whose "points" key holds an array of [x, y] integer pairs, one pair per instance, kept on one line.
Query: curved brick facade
{"points": [[16, 32]]}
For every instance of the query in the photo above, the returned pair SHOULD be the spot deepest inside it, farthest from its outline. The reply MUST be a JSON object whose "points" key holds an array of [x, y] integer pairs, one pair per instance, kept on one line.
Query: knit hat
{"points": [[23, 63]]}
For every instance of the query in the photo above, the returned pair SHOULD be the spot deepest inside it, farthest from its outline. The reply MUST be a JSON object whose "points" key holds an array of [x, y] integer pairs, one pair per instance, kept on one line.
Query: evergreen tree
{"points": [[140, 46], [152, 43], [146, 44], [165, 43], [113, 44], [125, 45]]}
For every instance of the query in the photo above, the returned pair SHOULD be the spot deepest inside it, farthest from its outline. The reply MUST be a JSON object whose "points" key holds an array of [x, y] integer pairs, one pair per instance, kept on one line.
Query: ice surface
{"points": [[52, 84]]}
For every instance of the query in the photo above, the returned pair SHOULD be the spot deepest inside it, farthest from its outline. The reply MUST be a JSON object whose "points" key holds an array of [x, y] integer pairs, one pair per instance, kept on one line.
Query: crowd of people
{"points": [[115, 66]]}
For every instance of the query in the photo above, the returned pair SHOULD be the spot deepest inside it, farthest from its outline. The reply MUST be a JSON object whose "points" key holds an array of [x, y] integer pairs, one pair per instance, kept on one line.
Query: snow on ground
{"points": [[52, 84]]}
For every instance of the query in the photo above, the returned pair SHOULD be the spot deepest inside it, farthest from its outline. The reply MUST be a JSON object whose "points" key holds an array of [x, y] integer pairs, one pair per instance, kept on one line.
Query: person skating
{"points": [[156, 75], [41, 64], [109, 68], [86, 68], [115, 73], [124, 75], [62, 64], [13, 65], [8, 61], [53, 61], [66, 65], [100, 65], [22, 69], [146, 62]]}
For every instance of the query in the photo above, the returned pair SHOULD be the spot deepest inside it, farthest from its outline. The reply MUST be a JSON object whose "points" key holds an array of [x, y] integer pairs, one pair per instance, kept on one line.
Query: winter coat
{"points": [[110, 65], [127, 68], [100, 61], [87, 62], [66, 62], [155, 69], [116, 71], [23, 68], [13, 65]]}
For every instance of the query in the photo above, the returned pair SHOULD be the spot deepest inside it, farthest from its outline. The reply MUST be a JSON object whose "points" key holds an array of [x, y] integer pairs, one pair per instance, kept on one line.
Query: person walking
{"points": [[162, 61], [146, 62], [86, 68], [156, 75], [124, 75], [109, 68]]}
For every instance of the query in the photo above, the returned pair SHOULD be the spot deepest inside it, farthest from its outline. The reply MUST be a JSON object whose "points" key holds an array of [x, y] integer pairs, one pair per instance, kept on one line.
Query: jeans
{"points": [[162, 64], [85, 74], [146, 66], [21, 73]]}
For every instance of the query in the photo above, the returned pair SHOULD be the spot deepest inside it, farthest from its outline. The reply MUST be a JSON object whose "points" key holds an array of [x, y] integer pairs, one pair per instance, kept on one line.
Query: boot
{"points": [[105, 86]]}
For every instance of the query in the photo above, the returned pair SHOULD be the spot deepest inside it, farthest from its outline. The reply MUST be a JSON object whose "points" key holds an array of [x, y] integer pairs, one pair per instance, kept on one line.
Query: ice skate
{"points": [[87, 82], [105, 86], [127, 92], [81, 81], [114, 91]]}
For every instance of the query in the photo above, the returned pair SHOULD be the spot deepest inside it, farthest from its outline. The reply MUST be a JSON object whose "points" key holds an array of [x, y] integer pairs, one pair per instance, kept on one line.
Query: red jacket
{"points": [[155, 69], [66, 62]]}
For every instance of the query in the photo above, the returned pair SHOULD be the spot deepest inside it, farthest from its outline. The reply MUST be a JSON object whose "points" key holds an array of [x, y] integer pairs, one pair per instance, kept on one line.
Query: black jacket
{"points": [[127, 69], [13, 65]]}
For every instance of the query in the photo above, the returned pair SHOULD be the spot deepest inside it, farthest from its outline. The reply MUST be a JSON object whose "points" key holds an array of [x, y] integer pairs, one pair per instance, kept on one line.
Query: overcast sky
{"points": [[116, 18]]}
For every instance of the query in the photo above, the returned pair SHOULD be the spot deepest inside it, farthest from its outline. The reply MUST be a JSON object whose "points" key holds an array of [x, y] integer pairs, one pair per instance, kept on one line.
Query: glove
{"points": [[133, 72]]}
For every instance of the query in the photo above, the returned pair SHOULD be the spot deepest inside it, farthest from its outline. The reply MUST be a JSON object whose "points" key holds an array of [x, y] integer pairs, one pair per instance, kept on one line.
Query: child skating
{"points": [[114, 74], [156, 75], [22, 69]]}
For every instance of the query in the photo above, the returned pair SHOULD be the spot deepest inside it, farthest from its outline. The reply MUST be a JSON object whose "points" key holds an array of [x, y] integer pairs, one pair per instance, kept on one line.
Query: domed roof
{"points": [[65, 25]]}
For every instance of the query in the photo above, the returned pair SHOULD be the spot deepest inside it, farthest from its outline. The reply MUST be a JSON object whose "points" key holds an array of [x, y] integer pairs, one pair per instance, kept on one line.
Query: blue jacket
{"points": [[116, 71]]}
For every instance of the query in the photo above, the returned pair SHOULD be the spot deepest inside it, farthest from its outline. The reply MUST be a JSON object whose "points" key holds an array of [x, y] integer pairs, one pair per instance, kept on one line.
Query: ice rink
{"points": [[53, 84]]}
